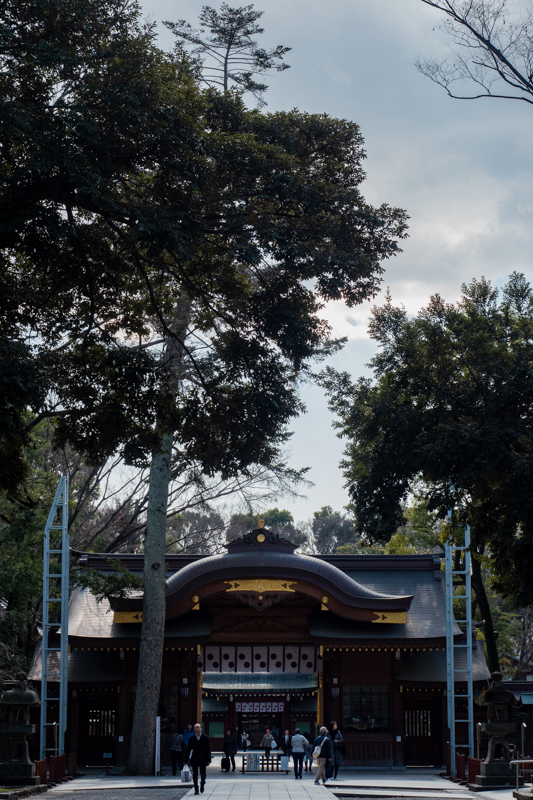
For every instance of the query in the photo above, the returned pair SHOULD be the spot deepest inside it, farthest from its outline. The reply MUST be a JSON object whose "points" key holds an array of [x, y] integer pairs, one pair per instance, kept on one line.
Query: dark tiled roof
{"points": [[83, 667], [430, 667], [89, 619], [275, 564], [426, 619], [367, 578]]}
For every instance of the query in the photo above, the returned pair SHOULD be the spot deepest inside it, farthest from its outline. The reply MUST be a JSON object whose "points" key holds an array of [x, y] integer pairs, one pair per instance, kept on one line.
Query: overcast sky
{"points": [[462, 170]]}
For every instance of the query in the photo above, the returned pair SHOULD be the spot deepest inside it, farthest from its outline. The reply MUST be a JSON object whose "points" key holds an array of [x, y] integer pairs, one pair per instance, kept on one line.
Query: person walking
{"points": [[266, 742], [244, 740], [336, 738], [176, 751], [286, 743], [231, 746], [298, 746], [323, 741], [199, 756], [308, 750], [187, 733]]}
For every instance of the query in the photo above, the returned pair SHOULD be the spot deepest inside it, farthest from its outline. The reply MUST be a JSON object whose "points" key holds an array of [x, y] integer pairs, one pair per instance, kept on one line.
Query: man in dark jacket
{"points": [[198, 756]]}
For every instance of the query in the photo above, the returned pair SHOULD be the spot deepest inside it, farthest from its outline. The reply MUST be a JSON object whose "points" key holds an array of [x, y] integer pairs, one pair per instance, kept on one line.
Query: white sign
{"points": [[238, 706], [262, 707], [256, 708], [157, 745], [252, 762], [269, 708]]}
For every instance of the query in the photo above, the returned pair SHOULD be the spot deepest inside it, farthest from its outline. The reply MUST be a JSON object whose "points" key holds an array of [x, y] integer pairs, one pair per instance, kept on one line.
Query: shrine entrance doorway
{"points": [[256, 723]]}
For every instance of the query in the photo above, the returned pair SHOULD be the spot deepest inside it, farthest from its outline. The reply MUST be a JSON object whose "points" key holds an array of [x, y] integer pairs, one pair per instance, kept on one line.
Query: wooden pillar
{"points": [[74, 724], [123, 724], [198, 697], [397, 725], [198, 687], [320, 701]]}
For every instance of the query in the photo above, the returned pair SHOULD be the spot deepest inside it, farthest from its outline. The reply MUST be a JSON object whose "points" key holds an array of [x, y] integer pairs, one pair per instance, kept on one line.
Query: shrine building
{"points": [[262, 636]]}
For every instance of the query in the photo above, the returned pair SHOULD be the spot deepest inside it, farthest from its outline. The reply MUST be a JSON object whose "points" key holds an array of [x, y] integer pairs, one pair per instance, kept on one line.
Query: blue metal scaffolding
{"points": [[55, 620], [453, 673]]}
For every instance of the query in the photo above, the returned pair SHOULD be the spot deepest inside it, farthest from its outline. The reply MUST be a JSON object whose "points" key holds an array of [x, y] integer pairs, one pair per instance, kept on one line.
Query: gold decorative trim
{"points": [[128, 616], [391, 617], [260, 585]]}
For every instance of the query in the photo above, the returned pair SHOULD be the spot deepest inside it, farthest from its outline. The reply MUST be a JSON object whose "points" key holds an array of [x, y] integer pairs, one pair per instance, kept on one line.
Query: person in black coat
{"points": [[231, 746], [198, 756], [285, 742]]}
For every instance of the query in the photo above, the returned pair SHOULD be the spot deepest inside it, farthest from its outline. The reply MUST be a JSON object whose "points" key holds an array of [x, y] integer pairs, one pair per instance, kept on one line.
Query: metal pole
{"points": [[65, 566], [450, 676], [524, 726], [60, 595], [468, 609]]}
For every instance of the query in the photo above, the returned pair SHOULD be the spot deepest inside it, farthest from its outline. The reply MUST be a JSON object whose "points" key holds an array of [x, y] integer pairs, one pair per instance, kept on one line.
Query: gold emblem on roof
{"points": [[128, 616], [391, 617], [260, 585]]}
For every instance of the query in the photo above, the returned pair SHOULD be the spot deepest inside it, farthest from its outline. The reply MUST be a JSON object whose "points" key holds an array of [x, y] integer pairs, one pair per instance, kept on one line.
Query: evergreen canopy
{"points": [[124, 189]]}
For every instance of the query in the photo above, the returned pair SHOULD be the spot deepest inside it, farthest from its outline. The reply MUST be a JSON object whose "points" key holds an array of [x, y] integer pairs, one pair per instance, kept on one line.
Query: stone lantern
{"points": [[496, 771], [16, 769]]}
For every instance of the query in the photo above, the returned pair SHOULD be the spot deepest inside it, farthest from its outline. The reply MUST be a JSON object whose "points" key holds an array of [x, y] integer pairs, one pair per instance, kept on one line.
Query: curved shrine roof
{"points": [[264, 555]]}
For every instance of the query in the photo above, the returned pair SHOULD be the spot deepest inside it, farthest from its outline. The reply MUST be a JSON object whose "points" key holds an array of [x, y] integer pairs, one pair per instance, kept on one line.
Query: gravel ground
{"points": [[172, 793]]}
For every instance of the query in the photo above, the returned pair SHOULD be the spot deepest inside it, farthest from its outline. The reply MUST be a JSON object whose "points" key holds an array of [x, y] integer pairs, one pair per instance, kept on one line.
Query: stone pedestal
{"points": [[498, 774], [16, 769]]}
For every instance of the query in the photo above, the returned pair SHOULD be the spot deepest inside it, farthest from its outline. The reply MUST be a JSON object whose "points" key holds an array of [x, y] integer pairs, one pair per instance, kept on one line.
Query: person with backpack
{"points": [[322, 753], [176, 751]]}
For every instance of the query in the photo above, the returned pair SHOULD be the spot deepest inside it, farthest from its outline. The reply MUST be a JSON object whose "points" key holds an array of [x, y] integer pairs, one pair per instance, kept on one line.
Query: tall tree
{"points": [[330, 530], [223, 51], [167, 252], [452, 402], [493, 53]]}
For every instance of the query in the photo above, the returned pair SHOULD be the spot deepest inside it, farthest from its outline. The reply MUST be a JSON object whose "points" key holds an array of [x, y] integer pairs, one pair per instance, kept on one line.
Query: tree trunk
{"points": [[142, 752], [493, 661]]}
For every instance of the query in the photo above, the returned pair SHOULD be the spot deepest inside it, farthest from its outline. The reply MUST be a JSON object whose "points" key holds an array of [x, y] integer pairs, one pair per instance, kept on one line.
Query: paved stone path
{"points": [[262, 789], [111, 793], [386, 784]]}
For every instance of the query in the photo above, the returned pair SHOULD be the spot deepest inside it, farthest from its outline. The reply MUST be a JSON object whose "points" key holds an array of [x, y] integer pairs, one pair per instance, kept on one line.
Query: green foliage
{"points": [[331, 530], [22, 523], [451, 402], [126, 190], [115, 586]]}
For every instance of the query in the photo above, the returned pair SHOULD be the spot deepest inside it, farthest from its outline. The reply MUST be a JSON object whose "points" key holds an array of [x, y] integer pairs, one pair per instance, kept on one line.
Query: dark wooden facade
{"points": [[262, 636]]}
